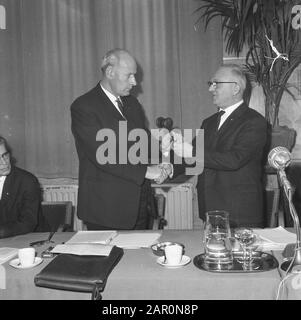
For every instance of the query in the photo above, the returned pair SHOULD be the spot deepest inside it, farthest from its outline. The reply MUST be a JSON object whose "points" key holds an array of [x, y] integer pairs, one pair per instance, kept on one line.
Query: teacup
{"points": [[173, 254], [26, 256]]}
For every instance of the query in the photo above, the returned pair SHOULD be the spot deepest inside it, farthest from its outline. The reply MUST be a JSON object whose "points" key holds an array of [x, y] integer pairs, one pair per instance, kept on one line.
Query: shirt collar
{"points": [[112, 99], [109, 94], [2, 180], [230, 109]]}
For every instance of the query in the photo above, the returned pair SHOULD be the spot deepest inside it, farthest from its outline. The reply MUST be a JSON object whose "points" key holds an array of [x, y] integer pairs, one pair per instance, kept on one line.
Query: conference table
{"points": [[138, 276]]}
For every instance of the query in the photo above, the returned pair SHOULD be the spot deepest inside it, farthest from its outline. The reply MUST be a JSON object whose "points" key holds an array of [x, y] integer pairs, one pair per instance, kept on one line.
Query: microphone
{"points": [[279, 158]]}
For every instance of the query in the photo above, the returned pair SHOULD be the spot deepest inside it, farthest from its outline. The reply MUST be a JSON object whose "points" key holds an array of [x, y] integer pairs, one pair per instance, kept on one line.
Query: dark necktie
{"points": [[120, 105], [219, 115]]}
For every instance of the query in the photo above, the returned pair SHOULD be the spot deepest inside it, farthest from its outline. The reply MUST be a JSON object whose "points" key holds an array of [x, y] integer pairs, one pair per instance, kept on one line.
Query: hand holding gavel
{"points": [[167, 140]]}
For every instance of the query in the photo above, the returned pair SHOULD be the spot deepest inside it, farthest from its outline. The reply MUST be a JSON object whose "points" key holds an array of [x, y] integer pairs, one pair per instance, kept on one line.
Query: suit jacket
{"points": [[109, 194], [232, 176], [20, 203]]}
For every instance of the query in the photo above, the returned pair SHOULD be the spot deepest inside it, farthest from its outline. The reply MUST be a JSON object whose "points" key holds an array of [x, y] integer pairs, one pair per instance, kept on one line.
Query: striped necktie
{"points": [[120, 105]]}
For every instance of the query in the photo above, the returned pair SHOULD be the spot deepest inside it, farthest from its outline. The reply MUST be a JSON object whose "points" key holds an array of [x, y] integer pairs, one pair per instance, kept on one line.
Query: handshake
{"points": [[159, 173]]}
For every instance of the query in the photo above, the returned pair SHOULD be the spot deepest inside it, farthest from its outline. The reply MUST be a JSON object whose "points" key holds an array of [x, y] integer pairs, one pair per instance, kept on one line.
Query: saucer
{"points": [[185, 260], [16, 263]]}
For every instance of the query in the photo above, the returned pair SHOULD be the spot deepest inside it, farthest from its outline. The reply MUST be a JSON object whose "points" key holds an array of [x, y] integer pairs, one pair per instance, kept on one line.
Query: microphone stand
{"points": [[294, 264]]}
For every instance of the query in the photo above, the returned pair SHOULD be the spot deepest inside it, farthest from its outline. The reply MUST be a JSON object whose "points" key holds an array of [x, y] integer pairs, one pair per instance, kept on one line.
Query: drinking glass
{"points": [[250, 249], [217, 234], [247, 238]]}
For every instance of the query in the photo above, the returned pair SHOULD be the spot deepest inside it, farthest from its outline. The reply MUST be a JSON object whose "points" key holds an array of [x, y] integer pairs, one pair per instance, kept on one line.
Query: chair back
{"points": [[159, 220], [55, 216]]}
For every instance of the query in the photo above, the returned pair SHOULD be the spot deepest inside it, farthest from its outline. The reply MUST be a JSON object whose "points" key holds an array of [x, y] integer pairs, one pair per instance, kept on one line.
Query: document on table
{"points": [[101, 242], [102, 237], [275, 239], [135, 240], [85, 249]]}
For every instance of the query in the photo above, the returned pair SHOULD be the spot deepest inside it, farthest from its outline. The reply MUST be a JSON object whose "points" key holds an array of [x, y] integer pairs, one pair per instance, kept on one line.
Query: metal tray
{"points": [[261, 262]]}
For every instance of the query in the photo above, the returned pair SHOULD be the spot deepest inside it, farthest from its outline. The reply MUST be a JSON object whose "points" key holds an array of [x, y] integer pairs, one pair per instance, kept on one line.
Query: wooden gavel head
{"points": [[166, 123]]}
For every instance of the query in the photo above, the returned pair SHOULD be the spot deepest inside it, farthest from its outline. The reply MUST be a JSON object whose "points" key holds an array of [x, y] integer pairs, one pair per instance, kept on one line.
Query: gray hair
{"points": [[112, 58], [238, 73]]}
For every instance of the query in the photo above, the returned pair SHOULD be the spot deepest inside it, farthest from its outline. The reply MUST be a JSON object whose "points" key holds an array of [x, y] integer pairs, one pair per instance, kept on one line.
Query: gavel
{"points": [[166, 123]]}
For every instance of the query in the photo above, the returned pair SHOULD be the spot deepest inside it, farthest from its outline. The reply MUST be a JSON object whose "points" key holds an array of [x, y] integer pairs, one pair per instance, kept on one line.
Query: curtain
{"points": [[52, 52], [12, 113]]}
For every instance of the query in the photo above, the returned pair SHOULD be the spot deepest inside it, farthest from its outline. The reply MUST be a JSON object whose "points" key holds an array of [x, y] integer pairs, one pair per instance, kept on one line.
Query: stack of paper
{"points": [[100, 243], [135, 240], [7, 253], [103, 237], [275, 239], [89, 249], [88, 243]]}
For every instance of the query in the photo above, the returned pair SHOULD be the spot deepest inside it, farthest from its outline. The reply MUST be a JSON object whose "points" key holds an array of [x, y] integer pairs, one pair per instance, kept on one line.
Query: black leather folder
{"points": [[79, 273]]}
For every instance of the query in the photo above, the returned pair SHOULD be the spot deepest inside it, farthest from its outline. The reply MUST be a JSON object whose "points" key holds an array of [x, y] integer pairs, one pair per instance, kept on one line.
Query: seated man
{"points": [[20, 197]]}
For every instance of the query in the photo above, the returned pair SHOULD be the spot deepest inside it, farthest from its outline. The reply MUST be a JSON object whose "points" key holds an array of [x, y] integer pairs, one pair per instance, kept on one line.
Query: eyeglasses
{"points": [[5, 156], [215, 83]]}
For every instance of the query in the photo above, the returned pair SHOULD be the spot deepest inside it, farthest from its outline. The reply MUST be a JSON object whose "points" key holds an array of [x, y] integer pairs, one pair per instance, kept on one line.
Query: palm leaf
{"points": [[253, 23]]}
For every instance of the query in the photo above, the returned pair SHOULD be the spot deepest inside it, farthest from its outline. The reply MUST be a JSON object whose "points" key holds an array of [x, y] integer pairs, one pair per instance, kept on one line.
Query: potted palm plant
{"points": [[273, 45]]}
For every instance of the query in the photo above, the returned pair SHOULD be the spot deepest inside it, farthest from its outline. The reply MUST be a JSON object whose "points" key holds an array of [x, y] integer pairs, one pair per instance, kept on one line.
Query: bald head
{"points": [[238, 74], [119, 69], [113, 58]]}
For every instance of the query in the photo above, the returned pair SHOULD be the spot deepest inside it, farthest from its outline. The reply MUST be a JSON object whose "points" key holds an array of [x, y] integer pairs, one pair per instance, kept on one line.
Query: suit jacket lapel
{"points": [[109, 108], [108, 105], [6, 192], [134, 121], [233, 116], [211, 134]]}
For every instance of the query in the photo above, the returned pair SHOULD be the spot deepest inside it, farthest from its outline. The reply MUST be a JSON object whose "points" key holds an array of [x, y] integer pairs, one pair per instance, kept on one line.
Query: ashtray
{"points": [[158, 248]]}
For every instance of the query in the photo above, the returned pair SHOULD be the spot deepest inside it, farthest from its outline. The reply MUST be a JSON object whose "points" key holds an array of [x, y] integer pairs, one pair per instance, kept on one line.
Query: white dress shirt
{"points": [[228, 111], [113, 99], [2, 180]]}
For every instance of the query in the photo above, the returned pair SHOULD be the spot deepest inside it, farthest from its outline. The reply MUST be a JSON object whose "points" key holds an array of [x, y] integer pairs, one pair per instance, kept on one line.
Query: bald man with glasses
{"points": [[234, 142], [20, 196], [235, 138]]}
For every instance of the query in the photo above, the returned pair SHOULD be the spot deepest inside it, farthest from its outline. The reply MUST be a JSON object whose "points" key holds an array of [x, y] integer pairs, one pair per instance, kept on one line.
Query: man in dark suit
{"points": [[20, 197], [234, 140], [112, 194]]}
